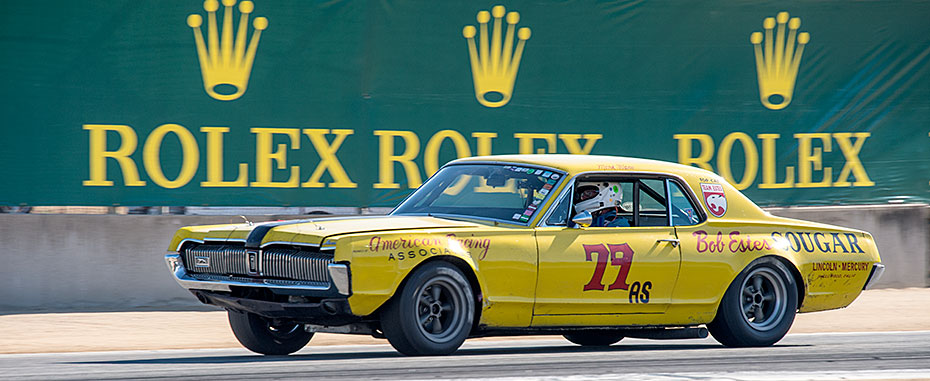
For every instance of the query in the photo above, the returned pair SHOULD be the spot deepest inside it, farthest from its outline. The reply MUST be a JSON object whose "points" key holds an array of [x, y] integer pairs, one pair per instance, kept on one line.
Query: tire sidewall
{"points": [[405, 309], [253, 333], [594, 338], [731, 308]]}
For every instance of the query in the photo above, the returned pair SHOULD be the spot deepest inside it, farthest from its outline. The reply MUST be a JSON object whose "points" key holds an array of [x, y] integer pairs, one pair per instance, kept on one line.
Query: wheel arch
{"points": [[796, 274]]}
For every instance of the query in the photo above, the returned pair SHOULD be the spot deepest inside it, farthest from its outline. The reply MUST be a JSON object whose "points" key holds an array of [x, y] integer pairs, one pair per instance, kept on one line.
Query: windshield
{"points": [[502, 192]]}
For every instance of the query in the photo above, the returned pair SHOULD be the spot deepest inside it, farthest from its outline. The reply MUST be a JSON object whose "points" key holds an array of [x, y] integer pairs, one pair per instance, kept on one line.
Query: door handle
{"points": [[672, 241]]}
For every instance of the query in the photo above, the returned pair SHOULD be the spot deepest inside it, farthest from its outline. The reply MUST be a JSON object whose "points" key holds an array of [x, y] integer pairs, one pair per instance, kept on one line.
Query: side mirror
{"points": [[583, 219]]}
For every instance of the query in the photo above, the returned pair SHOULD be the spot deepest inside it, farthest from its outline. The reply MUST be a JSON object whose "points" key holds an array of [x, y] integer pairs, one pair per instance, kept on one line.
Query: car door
{"points": [[708, 249], [609, 270]]}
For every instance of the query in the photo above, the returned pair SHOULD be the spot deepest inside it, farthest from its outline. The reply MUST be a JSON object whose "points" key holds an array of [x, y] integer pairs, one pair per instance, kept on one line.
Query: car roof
{"points": [[740, 206], [574, 164]]}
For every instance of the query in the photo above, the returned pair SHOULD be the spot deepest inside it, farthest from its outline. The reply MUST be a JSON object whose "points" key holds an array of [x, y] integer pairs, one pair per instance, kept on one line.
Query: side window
{"points": [[683, 211], [620, 202], [652, 205], [559, 216]]}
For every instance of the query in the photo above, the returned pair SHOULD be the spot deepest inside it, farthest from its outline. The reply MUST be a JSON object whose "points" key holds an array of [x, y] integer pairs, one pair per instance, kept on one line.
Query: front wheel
{"points": [[758, 308], [432, 314], [260, 335]]}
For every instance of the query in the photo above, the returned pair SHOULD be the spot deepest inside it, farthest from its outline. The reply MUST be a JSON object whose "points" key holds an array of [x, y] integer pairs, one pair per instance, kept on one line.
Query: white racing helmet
{"points": [[595, 196]]}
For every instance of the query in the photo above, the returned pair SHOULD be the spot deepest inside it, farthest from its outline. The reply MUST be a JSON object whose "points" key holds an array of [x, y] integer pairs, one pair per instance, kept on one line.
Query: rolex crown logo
{"points": [[777, 65], [226, 66], [494, 67]]}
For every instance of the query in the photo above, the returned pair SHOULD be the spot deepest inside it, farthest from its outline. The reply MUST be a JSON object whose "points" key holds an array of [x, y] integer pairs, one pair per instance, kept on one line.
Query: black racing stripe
{"points": [[254, 241]]}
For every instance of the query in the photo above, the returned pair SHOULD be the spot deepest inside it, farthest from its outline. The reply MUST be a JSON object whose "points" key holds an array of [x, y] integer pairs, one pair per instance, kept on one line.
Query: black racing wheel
{"points": [[759, 306], [263, 336], [594, 338], [432, 314]]}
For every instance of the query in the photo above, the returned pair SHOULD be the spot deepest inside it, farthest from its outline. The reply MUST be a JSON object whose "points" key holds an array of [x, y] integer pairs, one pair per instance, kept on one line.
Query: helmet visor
{"points": [[587, 194]]}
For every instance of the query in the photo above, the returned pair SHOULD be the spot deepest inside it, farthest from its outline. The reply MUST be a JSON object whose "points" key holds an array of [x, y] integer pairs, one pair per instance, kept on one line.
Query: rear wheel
{"points": [[758, 308], [263, 336], [600, 338], [432, 314]]}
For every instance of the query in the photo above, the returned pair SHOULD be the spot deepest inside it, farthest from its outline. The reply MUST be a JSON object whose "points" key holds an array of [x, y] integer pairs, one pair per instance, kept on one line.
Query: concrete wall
{"points": [[902, 233], [92, 262], [116, 262]]}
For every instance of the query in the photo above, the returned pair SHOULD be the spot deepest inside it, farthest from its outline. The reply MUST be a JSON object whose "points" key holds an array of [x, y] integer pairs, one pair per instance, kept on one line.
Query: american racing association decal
{"points": [[715, 199]]}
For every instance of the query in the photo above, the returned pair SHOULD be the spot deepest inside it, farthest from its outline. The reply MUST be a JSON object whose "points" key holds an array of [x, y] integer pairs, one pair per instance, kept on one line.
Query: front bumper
{"points": [[323, 303], [877, 270], [327, 312], [339, 273]]}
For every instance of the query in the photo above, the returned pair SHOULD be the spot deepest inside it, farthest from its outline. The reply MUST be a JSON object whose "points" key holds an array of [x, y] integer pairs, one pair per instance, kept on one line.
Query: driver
{"points": [[602, 200]]}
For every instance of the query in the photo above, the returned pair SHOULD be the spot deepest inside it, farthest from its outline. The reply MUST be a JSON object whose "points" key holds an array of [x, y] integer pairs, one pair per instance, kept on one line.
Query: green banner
{"points": [[355, 103]]}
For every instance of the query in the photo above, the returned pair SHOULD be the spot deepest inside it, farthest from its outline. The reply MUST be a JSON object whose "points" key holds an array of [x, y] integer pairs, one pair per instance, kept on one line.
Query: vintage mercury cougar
{"points": [[593, 248]]}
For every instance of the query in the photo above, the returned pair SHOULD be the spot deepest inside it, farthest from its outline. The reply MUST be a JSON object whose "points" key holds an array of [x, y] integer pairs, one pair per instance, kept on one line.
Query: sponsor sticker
{"points": [[516, 216], [547, 186], [715, 199], [555, 176], [551, 181], [544, 191], [547, 174], [524, 218]]}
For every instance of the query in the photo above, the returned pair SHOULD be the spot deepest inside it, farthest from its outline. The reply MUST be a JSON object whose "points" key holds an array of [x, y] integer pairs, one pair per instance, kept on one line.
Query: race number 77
{"points": [[618, 255]]}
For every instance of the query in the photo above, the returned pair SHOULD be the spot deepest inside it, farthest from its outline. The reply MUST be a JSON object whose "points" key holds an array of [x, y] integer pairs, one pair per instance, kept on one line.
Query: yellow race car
{"points": [[594, 248]]}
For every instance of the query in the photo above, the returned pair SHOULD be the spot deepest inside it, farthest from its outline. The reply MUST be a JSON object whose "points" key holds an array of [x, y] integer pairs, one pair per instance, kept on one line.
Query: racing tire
{"points": [[260, 335], [433, 312], [594, 338], [759, 306]]}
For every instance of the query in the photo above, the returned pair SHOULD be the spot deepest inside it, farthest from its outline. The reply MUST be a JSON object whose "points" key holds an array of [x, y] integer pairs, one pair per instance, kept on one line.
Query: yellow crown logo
{"points": [[777, 68], [494, 68], [224, 66]]}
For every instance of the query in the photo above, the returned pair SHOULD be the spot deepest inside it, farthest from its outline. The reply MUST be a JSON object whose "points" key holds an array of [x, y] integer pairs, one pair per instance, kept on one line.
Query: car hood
{"points": [[310, 231]]}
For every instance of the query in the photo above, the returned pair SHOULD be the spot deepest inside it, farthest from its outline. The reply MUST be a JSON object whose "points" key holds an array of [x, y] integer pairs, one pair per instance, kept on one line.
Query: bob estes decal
{"points": [[797, 241], [715, 199]]}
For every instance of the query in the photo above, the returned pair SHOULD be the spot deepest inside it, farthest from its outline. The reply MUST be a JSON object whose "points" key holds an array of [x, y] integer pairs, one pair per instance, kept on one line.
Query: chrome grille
{"points": [[295, 264], [221, 259], [274, 263]]}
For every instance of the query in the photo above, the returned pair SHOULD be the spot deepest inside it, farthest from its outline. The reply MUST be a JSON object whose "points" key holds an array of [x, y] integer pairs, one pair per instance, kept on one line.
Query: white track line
{"points": [[857, 333], [893, 374], [382, 346]]}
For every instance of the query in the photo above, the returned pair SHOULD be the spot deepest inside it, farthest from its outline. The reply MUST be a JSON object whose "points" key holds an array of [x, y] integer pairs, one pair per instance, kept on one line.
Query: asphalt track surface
{"points": [[874, 355]]}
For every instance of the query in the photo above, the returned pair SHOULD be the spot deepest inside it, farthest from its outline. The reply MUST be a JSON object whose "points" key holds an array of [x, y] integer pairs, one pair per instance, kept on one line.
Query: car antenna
{"points": [[246, 220]]}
